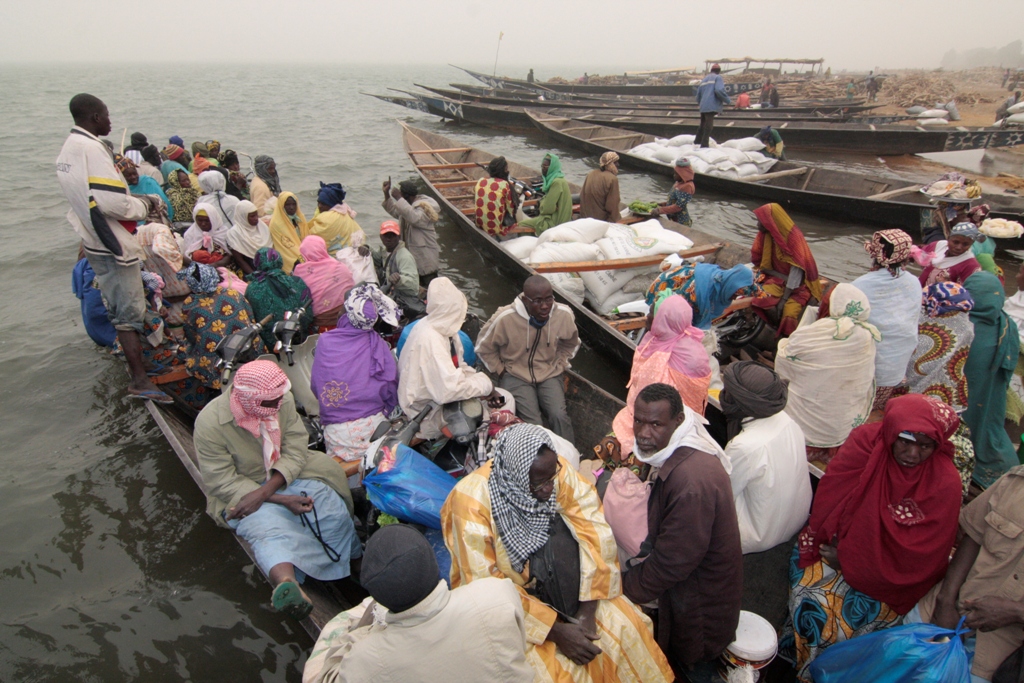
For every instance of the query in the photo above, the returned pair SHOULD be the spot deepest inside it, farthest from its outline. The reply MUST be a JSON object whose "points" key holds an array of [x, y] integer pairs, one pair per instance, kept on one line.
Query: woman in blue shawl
{"points": [[272, 292], [709, 288], [989, 368]]}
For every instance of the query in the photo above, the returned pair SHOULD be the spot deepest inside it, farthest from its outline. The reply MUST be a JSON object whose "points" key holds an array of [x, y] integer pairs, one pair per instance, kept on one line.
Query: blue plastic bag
{"points": [[413, 490], [902, 654]]}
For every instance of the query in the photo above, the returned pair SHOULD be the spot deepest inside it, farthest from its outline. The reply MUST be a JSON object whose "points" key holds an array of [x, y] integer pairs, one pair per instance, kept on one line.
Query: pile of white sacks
{"points": [[589, 239], [738, 158]]}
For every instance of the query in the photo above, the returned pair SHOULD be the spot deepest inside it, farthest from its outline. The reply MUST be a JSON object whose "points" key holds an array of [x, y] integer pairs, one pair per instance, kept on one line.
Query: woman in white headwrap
{"points": [[247, 235], [830, 365], [206, 239], [213, 184]]}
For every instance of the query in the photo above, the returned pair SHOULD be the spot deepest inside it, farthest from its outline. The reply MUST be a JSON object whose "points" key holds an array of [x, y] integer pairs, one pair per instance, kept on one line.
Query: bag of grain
{"points": [[604, 283], [585, 230], [567, 284], [666, 155], [934, 114], [608, 305], [1016, 109], [711, 156], [932, 122], [521, 247], [748, 169], [745, 144], [916, 110], [564, 251], [680, 140], [1016, 119]]}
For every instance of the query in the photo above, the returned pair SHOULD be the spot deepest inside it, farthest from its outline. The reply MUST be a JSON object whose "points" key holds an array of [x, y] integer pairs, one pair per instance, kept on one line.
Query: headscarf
{"points": [[200, 164], [498, 168], [522, 520], [609, 158], [255, 382], [176, 140], [331, 194], [979, 213], [199, 148], [446, 307], [751, 390], [153, 285], [399, 568], [123, 163], [895, 525], [200, 278], [965, 229], [714, 289], [366, 303], [686, 174], [183, 199], [554, 171], [900, 243], [138, 140], [244, 238], [287, 236], [327, 278], [212, 148], [273, 181], [195, 238], [674, 335], [946, 297], [213, 184], [228, 157], [850, 309], [780, 236]]}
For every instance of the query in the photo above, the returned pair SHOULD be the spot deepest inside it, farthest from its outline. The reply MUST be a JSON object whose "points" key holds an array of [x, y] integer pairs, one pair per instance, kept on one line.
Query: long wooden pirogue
{"points": [[842, 195], [451, 170]]}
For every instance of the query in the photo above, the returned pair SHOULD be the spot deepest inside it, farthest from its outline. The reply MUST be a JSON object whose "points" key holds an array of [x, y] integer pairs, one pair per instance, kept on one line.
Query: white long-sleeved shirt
{"points": [[99, 198], [770, 481]]}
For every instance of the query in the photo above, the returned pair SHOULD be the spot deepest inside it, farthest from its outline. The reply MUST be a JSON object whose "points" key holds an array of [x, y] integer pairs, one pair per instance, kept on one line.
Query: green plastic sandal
{"points": [[289, 600]]}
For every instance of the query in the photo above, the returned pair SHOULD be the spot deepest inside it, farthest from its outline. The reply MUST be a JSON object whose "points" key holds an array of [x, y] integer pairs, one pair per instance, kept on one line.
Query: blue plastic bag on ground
{"points": [[413, 490], [914, 653]]}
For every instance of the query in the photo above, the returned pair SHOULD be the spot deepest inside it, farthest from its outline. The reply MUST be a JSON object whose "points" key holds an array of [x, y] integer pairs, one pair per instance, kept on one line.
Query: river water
{"points": [[111, 570]]}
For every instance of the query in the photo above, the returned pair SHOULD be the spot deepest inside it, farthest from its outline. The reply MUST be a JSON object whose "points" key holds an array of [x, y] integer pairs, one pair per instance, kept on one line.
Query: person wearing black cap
{"points": [[416, 629], [711, 95], [417, 215]]}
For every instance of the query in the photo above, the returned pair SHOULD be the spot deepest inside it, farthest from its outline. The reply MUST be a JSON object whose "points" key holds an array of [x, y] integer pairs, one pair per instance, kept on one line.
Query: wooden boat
{"points": [[590, 408], [451, 170], [822, 191], [678, 90], [414, 103], [861, 138], [545, 99]]}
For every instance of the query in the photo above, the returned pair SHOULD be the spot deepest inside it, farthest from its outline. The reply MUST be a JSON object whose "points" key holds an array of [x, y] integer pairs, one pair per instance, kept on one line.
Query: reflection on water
{"points": [[111, 570]]}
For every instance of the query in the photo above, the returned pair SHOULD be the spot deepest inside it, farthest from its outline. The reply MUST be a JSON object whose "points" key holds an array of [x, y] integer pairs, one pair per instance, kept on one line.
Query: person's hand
{"points": [[572, 641], [587, 616], [830, 554], [655, 212], [249, 504], [363, 250], [387, 187], [989, 613], [495, 399], [396, 194], [297, 505], [395, 278], [946, 614]]}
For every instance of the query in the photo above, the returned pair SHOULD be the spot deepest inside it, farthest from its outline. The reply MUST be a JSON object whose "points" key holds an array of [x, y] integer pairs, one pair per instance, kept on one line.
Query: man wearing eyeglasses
{"points": [[529, 344]]}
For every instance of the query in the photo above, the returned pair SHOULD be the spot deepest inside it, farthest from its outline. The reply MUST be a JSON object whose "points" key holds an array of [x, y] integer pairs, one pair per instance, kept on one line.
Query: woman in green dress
{"points": [[556, 205]]}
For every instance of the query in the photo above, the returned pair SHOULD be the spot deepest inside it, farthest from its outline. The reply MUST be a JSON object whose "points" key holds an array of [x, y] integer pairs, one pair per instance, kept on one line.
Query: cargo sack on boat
{"points": [[932, 122], [609, 305], [568, 285], [1016, 109], [584, 230], [744, 144], [564, 251], [680, 140], [916, 110], [914, 652], [934, 114], [1016, 119], [521, 247], [954, 113], [413, 490], [603, 283]]}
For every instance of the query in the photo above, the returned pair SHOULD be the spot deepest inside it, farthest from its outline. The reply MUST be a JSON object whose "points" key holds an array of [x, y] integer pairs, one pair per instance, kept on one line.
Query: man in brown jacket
{"points": [[694, 568], [599, 197], [529, 344]]}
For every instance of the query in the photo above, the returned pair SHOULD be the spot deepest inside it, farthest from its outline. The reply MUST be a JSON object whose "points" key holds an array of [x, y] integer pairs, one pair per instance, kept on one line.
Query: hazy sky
{"points": [[587, 33]]}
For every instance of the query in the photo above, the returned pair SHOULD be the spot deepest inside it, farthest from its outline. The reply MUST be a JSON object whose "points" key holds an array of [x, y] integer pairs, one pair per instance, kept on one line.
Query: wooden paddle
{"points": [[621, 263]]}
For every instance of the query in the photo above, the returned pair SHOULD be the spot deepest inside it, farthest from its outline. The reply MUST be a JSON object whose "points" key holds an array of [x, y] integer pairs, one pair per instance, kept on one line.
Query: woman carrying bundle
{"points": [[677, 207]]}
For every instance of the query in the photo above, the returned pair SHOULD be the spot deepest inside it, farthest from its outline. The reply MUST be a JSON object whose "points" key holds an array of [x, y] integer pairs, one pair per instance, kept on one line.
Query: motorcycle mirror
{"points": [[278, 346]]}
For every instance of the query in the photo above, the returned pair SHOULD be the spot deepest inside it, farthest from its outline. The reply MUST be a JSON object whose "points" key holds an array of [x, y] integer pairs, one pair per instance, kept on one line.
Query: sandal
{"points": [[289, 599], [154, 395]]}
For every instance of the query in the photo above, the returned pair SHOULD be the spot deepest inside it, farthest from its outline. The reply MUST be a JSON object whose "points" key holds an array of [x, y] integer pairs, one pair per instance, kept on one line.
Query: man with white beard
{"points": [[694, 568]]}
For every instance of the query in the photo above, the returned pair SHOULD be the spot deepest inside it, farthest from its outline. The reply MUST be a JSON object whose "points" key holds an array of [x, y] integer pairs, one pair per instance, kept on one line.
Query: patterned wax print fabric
{"points": [[680, 198], [493, 203], [208, 319]]}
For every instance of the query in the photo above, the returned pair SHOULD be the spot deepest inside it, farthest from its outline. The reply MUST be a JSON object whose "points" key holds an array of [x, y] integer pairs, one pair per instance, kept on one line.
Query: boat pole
{"points": [[494, 73]]}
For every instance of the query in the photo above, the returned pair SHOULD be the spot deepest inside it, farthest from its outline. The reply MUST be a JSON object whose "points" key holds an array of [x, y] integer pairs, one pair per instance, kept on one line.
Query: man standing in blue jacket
{"points": [[711, 96]]}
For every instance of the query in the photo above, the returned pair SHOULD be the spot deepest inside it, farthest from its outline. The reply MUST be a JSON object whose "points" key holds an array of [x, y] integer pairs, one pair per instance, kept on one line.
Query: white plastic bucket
{"points": [[755, 646]]}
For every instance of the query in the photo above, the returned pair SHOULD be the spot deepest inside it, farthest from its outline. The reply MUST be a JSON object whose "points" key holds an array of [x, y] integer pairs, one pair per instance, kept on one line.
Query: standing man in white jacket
{"points": [[104, 214]]}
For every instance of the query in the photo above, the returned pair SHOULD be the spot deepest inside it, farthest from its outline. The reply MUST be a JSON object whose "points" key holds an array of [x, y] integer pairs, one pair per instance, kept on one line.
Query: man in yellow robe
{"points": [[499, 519]]}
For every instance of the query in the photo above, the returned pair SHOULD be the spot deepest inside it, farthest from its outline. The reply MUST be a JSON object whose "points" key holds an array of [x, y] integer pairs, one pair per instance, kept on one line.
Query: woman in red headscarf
{"points": [[882, 526], [789, 274]]}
